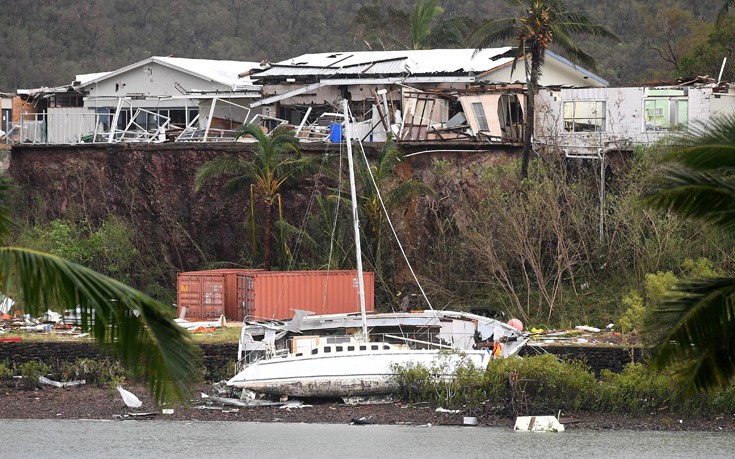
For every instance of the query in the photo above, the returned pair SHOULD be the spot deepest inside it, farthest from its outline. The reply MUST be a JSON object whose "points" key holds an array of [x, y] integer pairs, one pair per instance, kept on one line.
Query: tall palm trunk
{"points": [[267, 237], [529, 128]]}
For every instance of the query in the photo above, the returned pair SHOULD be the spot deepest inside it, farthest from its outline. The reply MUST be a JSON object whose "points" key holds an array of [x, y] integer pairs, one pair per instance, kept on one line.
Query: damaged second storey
{"points": [[414, 95]]}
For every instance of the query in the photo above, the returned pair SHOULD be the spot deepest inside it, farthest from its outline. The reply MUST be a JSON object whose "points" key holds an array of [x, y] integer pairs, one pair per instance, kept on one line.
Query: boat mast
{"points": [[355, 220]]}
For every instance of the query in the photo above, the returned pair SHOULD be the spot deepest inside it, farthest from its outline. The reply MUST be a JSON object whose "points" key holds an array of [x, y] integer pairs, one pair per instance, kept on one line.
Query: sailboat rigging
{"points": [[315, 355]]}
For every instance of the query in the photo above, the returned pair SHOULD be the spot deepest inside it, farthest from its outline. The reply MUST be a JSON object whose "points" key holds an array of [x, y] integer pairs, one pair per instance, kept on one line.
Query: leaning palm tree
{"points": [[544, 23], [276, 159], [696, 327], [137, 328], [395, 193]]}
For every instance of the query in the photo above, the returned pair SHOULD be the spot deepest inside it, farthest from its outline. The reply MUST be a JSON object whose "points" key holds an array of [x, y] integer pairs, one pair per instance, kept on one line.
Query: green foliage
{"points": [[641, 390], [635, 313], [531, 385], [544, 384], [107, 248], [31, 371], [707, 58], [104, 373], [6, 371], [695, 329], [540, 384], [44, 46], [223, 373]]}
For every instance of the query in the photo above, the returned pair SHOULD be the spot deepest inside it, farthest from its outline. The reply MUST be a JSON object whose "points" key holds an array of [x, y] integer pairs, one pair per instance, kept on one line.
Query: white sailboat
{"points": [[324, 364]]}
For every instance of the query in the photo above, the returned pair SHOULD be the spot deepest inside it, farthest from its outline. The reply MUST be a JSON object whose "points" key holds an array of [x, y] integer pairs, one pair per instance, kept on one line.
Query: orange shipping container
{"points": [[270, 294], [275, 294], [210, 294]]}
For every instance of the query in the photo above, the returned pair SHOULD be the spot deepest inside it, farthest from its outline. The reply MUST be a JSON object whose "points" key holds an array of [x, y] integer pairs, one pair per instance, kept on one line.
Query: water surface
{"points": [[143, 439]]}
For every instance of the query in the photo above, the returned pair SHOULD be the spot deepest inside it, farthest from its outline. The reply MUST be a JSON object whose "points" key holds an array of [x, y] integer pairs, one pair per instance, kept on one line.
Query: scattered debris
{"points": [[587, 328], [368, 400], [538, 424], [363, 421], [444, 410], [205, 326], [44, 380], [470, 421], [129, 398]]}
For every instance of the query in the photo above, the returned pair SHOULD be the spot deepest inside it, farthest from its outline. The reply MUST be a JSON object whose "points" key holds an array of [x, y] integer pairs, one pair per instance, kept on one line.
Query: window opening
{"points": [[584, 116]]}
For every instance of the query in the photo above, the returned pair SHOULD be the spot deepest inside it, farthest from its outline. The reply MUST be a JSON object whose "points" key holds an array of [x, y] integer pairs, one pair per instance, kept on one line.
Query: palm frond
{"points": [[406, 191], [422, 17], [697, 327], [218, 167], [253, 130], [580, 23], [694, 194], [566, 43], [491, 32], [138, 328]]}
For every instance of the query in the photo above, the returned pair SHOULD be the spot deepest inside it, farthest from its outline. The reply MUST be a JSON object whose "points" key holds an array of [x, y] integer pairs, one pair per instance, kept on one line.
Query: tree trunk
{"points": [[267, 237], [532, 86]]}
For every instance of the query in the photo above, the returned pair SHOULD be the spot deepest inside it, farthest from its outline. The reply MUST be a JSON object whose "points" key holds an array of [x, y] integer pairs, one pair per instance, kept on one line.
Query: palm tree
{"points": [[696, 330], [277, 158], [137, 328], [395, 194], [545, 22], [385, 28]]}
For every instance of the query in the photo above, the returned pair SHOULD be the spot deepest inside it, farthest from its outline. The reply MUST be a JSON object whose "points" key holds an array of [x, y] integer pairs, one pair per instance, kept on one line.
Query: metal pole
{"points": [[355, 220], [601, 154]]}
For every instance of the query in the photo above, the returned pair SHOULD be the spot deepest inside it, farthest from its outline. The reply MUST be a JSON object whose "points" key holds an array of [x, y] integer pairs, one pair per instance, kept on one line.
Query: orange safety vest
{"points": [[497, 349]]}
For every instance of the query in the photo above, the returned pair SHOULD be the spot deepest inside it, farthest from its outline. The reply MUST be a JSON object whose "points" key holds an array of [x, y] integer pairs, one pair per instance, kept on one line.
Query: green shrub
{"points": [[539, 384], [639, 390], [104, 373], [6, 371], [31, 371]]}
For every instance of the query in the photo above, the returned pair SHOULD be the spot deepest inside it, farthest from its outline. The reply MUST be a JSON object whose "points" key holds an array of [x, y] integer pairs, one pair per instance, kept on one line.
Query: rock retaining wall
{"points": [[217, 357]]}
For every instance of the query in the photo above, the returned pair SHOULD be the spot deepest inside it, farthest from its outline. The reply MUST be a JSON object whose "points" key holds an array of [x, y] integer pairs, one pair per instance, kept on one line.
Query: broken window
{"points": [[584, 116], [666, 110], [480, 116], [7, 123], [510, 116]]}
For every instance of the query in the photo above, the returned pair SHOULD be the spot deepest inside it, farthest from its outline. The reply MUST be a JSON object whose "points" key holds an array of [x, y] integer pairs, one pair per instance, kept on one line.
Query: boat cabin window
{"points": [[363, 348], [299, 354], [386, 347], [327, 349], [315, 351], [350, 348], [374, 347], [338, 349]]}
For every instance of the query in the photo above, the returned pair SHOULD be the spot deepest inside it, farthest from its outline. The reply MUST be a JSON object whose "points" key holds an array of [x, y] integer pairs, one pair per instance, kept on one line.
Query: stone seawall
{"points": [[217, 357]]}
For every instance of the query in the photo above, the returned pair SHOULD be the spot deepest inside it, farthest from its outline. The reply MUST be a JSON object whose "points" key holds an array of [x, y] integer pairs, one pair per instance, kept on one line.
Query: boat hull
{"points": [[350, 374]]}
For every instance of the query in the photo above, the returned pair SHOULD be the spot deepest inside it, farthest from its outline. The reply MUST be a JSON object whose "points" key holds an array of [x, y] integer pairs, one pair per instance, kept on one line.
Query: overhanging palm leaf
{"points": [[134, 325], [698, 323], [699, 332]]}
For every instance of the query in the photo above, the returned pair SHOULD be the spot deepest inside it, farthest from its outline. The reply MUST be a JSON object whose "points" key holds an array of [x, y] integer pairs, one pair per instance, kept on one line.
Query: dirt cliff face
{"points": [[151, 187]]}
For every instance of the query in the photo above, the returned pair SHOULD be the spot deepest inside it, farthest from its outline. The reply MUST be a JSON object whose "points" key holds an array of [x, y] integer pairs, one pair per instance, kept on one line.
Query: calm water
{"points": [[169, 439]]}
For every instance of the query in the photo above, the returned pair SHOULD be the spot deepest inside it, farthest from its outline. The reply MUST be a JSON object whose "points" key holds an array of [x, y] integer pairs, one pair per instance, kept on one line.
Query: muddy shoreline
{"points": [[91, 402]]}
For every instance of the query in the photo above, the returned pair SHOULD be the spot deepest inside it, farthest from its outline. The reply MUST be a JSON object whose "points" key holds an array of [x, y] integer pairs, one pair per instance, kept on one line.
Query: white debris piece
{"points": [[45, 380], [129, 398], [539, 424]]}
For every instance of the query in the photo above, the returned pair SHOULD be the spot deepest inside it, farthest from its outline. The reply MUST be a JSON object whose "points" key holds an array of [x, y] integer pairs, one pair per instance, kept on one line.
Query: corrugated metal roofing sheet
{"points": [[414, 62]]}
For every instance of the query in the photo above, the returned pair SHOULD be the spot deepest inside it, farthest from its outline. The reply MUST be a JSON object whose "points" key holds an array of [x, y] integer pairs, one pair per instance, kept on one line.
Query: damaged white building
{"points": [[417, 95]]}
